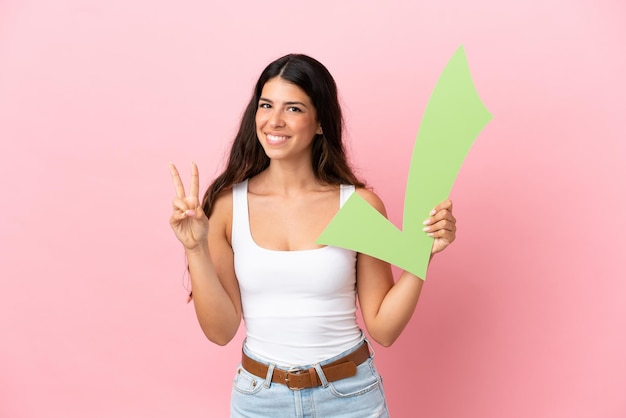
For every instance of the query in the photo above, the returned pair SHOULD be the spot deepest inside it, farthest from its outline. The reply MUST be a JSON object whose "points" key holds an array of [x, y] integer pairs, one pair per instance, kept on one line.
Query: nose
{"points": [[276, 119]]}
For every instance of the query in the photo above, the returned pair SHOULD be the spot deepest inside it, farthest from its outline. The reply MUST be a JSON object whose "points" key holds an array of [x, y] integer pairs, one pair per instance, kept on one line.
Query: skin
{"points": [[280, 199]]}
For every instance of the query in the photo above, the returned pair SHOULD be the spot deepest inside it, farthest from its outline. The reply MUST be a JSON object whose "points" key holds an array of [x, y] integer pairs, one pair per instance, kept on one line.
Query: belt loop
{"points": [[321, 375], [270, 373]]}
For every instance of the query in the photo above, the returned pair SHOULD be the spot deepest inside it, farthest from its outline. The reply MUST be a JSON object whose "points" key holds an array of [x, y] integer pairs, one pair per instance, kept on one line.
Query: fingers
{"points": [[441, 225], [446, 234], [441, 228], [195, 181], [178, 184], [181, 210], [442, 211], [446, 204], [180, 206], [441, 220]]}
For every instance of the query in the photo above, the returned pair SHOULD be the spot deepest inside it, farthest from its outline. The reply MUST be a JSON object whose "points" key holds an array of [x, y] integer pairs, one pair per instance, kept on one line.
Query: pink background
{"points": [[522, 317]]}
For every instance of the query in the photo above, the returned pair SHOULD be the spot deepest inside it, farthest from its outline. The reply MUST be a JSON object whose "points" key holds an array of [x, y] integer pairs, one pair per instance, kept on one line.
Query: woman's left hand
{"points": [[441, 225]]}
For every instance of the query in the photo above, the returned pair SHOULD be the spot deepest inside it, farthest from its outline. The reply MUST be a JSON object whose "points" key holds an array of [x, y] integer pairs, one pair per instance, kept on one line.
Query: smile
{"points": [[275, 139]]}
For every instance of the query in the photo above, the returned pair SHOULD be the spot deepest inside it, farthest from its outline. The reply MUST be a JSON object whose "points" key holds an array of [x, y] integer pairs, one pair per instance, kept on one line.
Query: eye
{"points": [[294, 109], [265, 106]]}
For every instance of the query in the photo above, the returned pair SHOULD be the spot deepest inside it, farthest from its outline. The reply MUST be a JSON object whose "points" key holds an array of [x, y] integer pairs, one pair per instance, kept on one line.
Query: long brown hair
{"points": [[247, 157]]}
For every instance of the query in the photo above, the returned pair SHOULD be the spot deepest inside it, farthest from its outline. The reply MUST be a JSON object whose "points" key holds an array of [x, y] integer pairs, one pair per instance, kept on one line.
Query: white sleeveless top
{"points": [[299, 307]]}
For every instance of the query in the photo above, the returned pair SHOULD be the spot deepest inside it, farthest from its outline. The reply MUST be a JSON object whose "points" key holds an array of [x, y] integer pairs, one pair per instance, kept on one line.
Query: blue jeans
{"points": [[359, 396]]}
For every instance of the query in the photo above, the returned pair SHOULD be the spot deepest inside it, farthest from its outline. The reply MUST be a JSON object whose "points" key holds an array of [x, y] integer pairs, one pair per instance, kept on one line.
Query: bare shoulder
{"points": [[373, 199], [223, 203], [221, 218]]}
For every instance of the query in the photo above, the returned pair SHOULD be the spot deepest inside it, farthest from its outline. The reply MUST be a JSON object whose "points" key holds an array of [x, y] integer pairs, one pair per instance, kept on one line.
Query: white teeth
{"points": [[274, 139]]}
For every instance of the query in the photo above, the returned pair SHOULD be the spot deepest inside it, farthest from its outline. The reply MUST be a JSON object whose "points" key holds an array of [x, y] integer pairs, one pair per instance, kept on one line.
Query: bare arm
{"points": [[206, 242], [388, 307]]}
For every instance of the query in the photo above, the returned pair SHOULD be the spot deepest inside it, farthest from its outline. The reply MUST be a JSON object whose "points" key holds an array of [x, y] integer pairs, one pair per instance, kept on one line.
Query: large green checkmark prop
{"points": [[452, 120]]}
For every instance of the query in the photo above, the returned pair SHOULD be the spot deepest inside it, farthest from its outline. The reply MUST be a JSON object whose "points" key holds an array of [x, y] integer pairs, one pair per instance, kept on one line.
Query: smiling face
{"points": [[286, 121]]}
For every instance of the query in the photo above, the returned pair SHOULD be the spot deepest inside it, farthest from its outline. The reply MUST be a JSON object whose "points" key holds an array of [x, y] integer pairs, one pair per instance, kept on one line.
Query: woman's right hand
{"points": [[188, 221]]}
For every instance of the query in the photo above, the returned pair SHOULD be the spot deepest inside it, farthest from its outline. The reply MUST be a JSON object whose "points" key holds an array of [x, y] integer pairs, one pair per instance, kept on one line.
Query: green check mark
{"points": [[453, 118]]}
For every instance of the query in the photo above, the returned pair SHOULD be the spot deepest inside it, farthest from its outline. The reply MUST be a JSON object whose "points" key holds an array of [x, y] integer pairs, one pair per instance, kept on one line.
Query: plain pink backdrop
{"points": [[522, 317]]}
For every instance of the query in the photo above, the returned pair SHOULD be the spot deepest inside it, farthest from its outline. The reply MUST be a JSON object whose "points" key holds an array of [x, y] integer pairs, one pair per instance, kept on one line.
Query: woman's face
{"points": [[286, 121]]}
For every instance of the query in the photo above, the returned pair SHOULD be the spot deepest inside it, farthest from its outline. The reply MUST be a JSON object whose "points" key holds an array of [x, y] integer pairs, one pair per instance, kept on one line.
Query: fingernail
{"points": [[190, 212], [432, 212], [426, 222], [430, 234], [426, 229]]}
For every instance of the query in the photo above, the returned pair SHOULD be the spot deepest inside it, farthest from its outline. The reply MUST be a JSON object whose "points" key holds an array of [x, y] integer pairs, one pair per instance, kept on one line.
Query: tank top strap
{"points": [[241, 220], [345, 191]]}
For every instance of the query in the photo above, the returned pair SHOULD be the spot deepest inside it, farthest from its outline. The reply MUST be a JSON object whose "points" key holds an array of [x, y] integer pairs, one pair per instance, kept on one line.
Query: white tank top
{"points": [[299, 307]]}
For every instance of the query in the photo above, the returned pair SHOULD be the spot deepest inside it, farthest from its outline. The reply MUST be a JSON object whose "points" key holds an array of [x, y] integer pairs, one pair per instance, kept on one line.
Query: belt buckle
{"points": [[296, 371]]}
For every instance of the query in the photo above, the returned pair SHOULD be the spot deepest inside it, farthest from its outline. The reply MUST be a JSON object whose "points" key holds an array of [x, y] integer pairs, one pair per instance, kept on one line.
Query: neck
{"points": [[287, 179]]}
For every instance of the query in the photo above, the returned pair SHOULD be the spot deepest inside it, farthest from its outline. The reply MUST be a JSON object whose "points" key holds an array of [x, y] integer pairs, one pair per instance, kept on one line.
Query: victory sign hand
{"points": [[188, 221]]}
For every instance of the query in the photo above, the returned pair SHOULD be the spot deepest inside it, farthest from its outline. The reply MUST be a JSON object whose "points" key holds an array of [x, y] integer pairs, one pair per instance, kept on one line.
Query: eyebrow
{"points": [[286, 103]]}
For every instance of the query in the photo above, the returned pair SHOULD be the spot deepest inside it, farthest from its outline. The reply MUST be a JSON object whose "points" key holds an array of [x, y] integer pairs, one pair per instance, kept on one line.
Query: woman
{"points": [[251, 252]]}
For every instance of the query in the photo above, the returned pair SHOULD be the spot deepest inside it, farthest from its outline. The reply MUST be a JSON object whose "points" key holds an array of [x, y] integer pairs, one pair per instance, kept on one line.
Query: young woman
{"points": [[251, 251]]}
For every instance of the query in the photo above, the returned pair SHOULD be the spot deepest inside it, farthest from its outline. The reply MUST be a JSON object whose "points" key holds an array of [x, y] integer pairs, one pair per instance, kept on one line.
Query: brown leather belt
{"points": [[308, 378]]}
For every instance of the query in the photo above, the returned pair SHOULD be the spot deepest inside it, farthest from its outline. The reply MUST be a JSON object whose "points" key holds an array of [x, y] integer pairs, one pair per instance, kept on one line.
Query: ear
{"points": [[319, 130]]}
